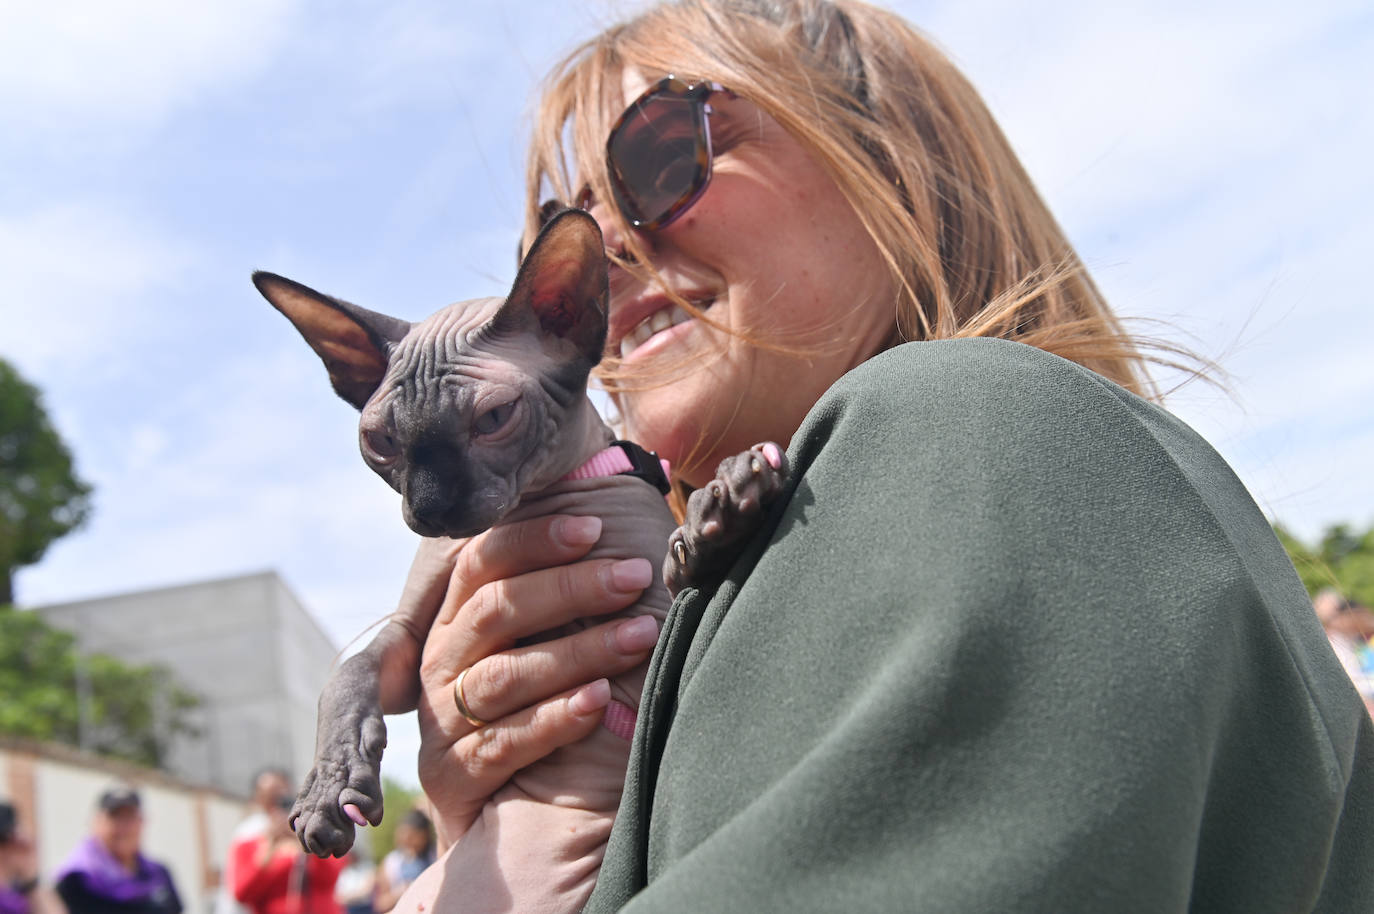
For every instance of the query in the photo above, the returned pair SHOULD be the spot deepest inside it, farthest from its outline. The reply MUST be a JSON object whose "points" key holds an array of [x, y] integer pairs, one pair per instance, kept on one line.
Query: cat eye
{"points": [[494, 419]]}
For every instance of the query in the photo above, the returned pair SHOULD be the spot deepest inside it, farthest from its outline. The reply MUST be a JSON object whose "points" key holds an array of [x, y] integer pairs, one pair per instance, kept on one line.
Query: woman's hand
{"points": [[507, 584]]}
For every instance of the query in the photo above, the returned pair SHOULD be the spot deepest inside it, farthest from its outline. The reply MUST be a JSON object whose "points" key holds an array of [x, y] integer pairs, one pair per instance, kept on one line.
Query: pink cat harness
{"points": [[624, 458]]}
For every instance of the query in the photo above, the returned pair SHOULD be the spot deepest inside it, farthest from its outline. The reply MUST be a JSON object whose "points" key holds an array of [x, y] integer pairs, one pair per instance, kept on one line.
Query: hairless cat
{"points": [[478, 415]]}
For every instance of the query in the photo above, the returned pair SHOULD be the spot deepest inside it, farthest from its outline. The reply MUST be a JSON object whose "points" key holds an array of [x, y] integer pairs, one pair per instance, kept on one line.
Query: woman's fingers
{"points": [[514, 549], [459, 777], [512, 680], [502, 612]]}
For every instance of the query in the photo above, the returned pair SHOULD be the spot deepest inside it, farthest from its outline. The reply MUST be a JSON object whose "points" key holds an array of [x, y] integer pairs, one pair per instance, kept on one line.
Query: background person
{"points": [[1349, 628], [107, 873], [274, 875], [21, 891], [357, 881], [1014, 638], [413, 854], [269, 786]]}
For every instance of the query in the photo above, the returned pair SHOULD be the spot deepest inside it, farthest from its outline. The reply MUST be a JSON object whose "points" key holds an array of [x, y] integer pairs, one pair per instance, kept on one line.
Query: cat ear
{"points": [[354, 343], [561, 290]]}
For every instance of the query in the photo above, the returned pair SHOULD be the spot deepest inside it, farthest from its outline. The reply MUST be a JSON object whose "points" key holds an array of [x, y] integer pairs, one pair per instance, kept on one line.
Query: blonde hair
{"points": [[972, 248]]}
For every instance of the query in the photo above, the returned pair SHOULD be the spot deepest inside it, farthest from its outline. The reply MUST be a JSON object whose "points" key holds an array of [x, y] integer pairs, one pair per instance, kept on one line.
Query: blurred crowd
{"points": [[1350, 629], [265, 872]]}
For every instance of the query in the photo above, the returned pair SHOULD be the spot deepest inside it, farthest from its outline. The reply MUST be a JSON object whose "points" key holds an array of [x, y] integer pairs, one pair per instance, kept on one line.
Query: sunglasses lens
{"points": [[659, 157]]}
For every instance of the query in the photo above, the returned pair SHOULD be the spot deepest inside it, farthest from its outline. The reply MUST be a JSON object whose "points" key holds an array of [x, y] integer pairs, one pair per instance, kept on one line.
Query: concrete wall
{"points": [[187, 827], [246, 645], [306, 657]]}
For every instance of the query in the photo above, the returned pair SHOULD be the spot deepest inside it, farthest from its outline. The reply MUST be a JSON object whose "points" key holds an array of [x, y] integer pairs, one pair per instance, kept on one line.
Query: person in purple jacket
{"points": [[107, 873], [20, 891]]}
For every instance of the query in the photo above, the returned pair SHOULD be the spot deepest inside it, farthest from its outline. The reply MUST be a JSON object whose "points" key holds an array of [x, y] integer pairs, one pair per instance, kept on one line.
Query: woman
{"points": [[1013, 638], [273, 875]]}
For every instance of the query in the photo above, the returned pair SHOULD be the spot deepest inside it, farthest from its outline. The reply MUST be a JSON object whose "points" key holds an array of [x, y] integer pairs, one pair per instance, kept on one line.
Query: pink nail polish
{"points": [[631, 574], [590, 698], [636, 635], [580, 531]]}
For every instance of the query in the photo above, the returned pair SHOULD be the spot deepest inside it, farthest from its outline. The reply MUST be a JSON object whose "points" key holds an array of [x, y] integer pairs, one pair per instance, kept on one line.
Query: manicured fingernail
{"points": [[636, 635], [579, 531], [631, 574], [772, 454], [590, 698]]}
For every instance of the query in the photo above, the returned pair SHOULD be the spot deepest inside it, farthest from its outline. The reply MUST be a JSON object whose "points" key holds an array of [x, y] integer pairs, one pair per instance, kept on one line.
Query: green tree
{"points": [[1342, 558], [41, 497], [396, 800], [101, 704]]}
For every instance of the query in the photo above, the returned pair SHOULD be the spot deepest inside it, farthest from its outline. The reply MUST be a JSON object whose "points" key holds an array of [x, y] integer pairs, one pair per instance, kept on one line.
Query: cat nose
{"points": [[430, 495], [434, 484]]}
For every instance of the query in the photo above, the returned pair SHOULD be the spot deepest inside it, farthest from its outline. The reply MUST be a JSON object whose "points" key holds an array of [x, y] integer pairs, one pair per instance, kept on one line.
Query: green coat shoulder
{"points": [[1015, 640]]}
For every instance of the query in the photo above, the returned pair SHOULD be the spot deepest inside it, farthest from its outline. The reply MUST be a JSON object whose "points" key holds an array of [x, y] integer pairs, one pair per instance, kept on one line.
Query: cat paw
{"points": [[722, 515], [344, 789]]}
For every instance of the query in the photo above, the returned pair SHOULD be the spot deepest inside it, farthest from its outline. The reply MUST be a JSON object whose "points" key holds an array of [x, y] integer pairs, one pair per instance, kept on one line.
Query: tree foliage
{"points": [[131, 711], [41, 497], [1343, 559], [396, 800]]}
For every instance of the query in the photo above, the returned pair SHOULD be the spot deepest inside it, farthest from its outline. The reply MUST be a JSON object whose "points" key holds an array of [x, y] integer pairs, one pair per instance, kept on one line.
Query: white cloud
{"points": [[96, 61], [248, 466], [1209, 163], [78, 282]]}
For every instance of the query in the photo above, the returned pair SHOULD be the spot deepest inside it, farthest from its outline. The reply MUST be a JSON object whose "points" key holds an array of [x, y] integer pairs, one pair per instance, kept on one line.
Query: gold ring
{"points": [[461, 702]]}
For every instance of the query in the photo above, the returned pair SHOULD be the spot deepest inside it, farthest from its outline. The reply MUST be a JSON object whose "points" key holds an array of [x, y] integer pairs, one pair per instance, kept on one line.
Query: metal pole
{"points": [[84, 736]]}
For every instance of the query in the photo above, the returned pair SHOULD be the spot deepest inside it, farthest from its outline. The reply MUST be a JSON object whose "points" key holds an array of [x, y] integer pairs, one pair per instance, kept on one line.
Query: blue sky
{"points": [[1209, 160]]}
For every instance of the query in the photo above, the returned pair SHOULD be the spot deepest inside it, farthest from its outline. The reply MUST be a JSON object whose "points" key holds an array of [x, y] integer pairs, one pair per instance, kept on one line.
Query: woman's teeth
{"points": [[654, 323]]}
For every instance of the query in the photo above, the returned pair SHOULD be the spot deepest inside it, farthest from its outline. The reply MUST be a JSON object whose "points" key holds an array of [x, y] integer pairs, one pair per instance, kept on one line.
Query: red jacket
{"points": [[297, 883]]}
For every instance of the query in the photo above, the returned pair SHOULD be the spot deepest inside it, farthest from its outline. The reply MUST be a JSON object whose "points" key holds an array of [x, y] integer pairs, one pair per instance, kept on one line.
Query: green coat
{"points": [[1014, 640]]}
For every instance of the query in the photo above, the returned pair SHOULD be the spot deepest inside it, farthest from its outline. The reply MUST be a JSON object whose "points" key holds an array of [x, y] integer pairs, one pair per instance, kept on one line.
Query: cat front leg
{"points": [[343, 788]]}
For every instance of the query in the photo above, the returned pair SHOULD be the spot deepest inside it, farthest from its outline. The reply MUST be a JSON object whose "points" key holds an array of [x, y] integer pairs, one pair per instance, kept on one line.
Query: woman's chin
{"points": [[668, 436]]}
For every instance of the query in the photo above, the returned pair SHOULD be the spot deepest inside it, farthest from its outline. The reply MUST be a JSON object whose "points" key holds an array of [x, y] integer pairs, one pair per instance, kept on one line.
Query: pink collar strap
{"points": [[625, 458]]}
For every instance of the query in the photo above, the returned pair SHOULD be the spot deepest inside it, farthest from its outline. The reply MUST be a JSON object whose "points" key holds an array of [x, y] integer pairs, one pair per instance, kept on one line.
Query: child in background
{"points": [[413, 853]]}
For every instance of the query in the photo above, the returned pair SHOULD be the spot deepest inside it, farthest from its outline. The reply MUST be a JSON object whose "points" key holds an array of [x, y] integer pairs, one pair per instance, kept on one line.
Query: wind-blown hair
{"points": [[972, 248]]}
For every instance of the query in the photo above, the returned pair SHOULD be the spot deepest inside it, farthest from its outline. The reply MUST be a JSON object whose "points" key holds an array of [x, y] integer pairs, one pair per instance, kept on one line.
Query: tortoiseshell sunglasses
{"points": [[658, 154]]}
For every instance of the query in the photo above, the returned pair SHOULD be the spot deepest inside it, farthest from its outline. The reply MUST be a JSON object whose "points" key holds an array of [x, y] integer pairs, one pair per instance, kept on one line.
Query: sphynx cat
{"points": [[478, 415]]}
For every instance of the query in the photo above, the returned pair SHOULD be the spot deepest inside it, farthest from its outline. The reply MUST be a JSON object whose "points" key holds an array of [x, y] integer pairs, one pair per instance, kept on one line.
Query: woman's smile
{"points": [[657, 331]]}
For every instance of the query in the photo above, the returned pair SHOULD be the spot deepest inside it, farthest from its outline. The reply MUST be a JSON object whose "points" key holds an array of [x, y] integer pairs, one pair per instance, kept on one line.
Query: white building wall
{"points": [[307, 657], [246, 645]]}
